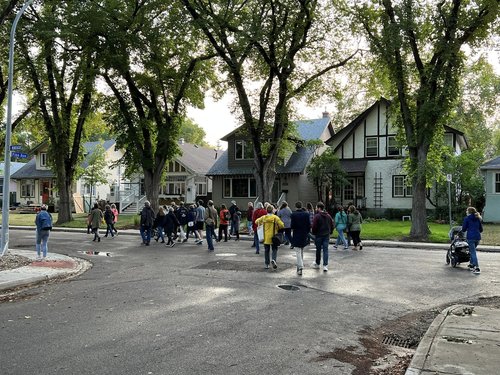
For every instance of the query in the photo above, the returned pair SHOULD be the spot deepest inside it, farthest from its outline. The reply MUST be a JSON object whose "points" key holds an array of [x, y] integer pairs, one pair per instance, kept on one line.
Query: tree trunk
{"points": [[419, 228], [152, 182], [65, 196]]}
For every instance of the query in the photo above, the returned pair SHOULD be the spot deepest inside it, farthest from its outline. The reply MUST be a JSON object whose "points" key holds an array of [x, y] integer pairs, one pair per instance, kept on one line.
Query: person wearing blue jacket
{"points": [[472, 225], [43, 223]]}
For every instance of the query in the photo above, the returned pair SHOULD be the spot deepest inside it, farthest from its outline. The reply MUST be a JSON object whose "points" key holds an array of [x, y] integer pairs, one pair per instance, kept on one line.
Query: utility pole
{"points": [[4, 244]]}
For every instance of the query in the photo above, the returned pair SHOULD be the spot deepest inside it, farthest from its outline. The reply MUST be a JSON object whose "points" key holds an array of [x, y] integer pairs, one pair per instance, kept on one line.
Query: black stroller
{"points": [[459, 248]]}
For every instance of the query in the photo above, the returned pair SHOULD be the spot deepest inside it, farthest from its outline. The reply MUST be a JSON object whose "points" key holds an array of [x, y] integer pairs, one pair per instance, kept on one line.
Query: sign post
{"points": [[448, 178]]}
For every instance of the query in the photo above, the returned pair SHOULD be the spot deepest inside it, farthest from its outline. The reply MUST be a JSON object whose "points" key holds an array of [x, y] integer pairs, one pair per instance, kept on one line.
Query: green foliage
{"points": [[94, 172], [192, 133], [326, 173]]}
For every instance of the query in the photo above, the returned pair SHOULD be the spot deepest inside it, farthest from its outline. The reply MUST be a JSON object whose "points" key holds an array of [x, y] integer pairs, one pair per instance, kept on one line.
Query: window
{"points": [[240, 188], [401, 187], [243, 150], [497, 182], [371, 144], [175, 185], [201, 188], [349, 190], [448, 139], [392, 146], [43, 159], [174, 166], [27, 188]]}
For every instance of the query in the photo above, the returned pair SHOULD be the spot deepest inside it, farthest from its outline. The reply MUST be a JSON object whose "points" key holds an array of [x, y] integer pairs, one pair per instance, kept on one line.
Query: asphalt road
{"points": [[181, 310]]}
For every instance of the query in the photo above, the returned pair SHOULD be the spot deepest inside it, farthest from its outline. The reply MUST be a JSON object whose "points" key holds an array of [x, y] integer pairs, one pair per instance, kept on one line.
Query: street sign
{"points": [[448, 177], [16, 147], [19, 155]]}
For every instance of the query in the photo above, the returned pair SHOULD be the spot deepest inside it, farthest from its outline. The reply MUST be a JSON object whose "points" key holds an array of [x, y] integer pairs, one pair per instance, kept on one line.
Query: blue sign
{"points": [[19, 155], [16, 147]]}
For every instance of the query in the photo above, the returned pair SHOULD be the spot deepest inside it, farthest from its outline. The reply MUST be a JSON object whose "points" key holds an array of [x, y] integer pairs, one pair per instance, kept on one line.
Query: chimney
{"points": [[326, 114]]}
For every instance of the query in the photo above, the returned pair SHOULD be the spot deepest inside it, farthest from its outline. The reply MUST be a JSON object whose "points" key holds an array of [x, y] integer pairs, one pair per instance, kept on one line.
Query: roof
{"points": [[307, 130], [90, 147], [492, 164], [354, 165], [198, 159], [14, 167], [29, 171]]}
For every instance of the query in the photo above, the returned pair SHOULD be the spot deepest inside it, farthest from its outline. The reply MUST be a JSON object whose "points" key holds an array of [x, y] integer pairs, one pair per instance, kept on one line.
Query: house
{"points": [[14, 167], [36, 182], [491, 172], [185, 181], [233, 177], [369, 153]]}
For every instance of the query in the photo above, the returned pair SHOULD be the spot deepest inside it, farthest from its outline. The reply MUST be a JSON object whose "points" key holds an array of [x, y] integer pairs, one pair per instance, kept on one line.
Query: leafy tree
{"points": [[419, 44], [192, 133], [273, 54], [94, 172], [326, 174], [155, 64], [58, 48]]}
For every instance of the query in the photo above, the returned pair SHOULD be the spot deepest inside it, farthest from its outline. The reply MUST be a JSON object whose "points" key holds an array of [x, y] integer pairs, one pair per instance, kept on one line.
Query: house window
{"points": [[87, 189], [243, 150], [201, 188], [240, 188], [401, 187], [27, 188], [448, 139], [174, 186], [43, 159], [497, 182], [174, 166], [349, 190], [371, 144], [392, 146]]}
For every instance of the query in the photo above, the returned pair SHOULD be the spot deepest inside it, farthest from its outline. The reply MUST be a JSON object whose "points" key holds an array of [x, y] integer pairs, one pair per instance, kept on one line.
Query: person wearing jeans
{"points": [[322, 228], [43, 223], [341, 225], [257, 213], [472, 225], [272, 224], [210, 217]]}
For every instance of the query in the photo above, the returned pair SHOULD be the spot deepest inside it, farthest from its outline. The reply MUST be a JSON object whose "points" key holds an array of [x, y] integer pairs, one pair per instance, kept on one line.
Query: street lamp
{"points": [[4, 244]]}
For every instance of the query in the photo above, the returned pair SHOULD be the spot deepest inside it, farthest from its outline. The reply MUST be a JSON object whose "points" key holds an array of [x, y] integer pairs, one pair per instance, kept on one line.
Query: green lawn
{"points": [[378, 230]]}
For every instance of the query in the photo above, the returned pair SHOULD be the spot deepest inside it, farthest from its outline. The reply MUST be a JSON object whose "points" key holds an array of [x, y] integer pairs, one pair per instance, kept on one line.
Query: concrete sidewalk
{"points": [[461, 340]]}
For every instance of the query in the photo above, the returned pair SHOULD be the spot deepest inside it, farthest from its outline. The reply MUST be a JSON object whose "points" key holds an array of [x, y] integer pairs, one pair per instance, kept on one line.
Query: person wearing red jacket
{"points": [[257, 212]]}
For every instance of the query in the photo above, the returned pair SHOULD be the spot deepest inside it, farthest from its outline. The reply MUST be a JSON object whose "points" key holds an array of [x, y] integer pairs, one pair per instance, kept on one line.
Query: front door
{"points": [[45, 189]]}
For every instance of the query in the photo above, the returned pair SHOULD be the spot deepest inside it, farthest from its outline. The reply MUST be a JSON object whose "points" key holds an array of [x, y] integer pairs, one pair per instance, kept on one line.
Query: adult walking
{"points": [[146, 224], [322, 228], [43, 222], [109, 218], [210, 224], [272, 224], [341, 225], [115, 220], [200, 220], [354, 220], [169, 225], [285, 213], [257, 213], [224, 218], [232, 210], [250, 210], [472, 225], [182, 216], [96, 218], [159, 224], [300, 224]]}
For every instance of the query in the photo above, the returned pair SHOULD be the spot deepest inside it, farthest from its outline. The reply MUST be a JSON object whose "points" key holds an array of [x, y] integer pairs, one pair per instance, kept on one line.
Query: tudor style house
{"points": [[232, 174], [491, 173], [369, 153]]}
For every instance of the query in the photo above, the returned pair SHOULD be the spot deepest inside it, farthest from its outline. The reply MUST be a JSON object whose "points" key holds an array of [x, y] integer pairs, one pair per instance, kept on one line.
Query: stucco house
{"points": [[14, 167], [36, 182], [369, 153], [232, 172], [491, 173], [185, 181]]}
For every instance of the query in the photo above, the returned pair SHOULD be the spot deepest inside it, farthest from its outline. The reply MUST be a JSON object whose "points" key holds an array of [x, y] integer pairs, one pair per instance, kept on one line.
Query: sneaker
{"points": [[38, 258], [471, 267], [346, 248], [267, 266], [476, 271], [274, 264], [172, 244], [299, 272], [314, 265], [334, 246], [98, 239], [199, 243], [360, 246], [325, 268]]}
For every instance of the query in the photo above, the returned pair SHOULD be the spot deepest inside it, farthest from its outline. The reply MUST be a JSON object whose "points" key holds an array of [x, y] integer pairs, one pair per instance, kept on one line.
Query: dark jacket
{"points": [[300, 225], [159, 220], [170, 223], [109, 217], [182, 215], [147, 216], [472, 225], [43, 221], [322, 224]]}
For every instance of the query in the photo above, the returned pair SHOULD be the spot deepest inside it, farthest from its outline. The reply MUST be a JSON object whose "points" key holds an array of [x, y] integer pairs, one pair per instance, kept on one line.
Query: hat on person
{"points": [[233, 202], [147, 204], [43, 207]]}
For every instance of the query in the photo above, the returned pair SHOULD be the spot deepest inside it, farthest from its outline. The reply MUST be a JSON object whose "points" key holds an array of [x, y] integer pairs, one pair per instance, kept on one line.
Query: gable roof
{"points": [[14, 167], [307, 130], [196, 158], [90, 147], [492, 164]]}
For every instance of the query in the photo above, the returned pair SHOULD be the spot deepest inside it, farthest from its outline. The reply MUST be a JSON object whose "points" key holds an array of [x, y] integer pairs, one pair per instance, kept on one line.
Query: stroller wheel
{"points": [[447, 258]]}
